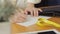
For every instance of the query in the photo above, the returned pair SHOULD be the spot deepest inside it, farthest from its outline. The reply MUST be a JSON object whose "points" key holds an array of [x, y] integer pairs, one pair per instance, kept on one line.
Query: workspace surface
{"points": [[21, 29]]}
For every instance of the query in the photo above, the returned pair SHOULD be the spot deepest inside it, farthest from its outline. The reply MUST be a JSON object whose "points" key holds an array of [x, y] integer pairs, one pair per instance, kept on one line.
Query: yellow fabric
{"points": [[45, 21]]}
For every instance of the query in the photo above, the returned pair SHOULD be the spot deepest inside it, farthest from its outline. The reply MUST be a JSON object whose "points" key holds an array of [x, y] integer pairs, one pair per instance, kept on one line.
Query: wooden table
{"points": [[19, 29]]}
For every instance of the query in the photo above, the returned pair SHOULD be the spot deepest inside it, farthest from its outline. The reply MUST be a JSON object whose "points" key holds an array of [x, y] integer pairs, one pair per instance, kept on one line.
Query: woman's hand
{"points": [[18, 16], [32, 10]]}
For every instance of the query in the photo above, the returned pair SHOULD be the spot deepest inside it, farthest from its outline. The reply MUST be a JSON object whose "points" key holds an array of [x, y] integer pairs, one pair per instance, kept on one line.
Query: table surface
{"points": [[19, 29]]}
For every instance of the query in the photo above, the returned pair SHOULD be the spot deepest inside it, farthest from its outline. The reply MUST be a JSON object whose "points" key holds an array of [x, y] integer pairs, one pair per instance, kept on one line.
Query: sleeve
{"points": [[34, 1]]}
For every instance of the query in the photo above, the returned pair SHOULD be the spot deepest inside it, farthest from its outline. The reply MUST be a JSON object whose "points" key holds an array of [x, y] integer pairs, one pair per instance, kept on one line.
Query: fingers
{"points": [[40, 10], [17, 19], [26, 12], [17, 13], [31, 12], [22, 16], [21, 19], [35, 12]]}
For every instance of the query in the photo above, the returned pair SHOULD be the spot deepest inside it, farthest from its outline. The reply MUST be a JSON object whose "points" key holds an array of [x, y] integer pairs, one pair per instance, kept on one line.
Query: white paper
{"points": [[31, 20]]}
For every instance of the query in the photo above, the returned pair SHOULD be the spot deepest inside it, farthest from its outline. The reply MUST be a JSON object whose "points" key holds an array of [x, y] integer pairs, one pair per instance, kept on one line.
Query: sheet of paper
{"points": [[31, 20]]}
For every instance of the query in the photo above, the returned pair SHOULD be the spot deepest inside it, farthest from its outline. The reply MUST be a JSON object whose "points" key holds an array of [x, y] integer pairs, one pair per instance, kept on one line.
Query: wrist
{"points": [[30, 5]]}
